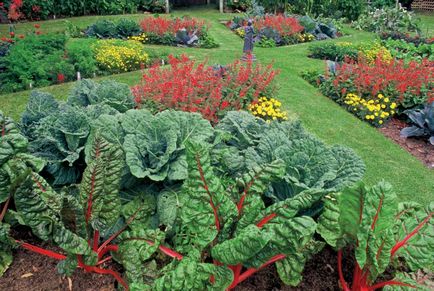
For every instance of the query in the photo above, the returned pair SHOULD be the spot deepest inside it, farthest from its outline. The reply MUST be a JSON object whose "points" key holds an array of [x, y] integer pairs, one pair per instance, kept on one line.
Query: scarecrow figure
{"points": [[248, 42]]}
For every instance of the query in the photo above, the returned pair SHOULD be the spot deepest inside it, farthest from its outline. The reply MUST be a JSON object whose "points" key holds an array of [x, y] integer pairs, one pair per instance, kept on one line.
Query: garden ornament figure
{"points": [[248, 42]]}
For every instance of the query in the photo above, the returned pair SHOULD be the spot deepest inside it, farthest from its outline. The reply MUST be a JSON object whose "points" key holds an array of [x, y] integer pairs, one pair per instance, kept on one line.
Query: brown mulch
{"points": [[418, 147], [320, 274], [31, 271]]}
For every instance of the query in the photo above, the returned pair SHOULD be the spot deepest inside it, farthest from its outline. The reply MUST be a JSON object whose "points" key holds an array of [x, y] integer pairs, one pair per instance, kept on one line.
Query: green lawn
{"points": [[384, 159]]}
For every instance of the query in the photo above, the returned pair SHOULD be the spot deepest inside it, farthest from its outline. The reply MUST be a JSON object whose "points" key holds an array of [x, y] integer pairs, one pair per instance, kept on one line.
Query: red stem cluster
{"points": [[361, 276]]}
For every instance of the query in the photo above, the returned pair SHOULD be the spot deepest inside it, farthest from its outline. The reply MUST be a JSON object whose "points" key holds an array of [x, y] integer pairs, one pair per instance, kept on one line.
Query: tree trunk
{"points": [[167, 7], [221, 6]]}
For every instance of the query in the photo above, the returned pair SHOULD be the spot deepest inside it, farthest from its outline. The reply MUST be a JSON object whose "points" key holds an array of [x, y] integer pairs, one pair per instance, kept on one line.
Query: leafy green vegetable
{"points": [[155, 145], [310, 164], [15, 164], [381, 230]]}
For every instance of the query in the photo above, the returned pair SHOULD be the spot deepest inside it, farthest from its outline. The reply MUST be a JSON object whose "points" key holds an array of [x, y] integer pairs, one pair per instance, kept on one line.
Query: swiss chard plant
{"points": [[223, 232], [385, 234], [79, 219], [15, 164]]}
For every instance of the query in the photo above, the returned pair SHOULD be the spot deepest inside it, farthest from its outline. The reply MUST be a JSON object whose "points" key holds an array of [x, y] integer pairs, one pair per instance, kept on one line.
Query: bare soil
{"points": [[31, 271], [418, 147]]}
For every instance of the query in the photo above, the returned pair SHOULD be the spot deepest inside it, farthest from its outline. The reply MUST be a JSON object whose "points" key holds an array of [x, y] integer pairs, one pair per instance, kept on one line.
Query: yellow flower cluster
{"points": [[376, 111], [120, 56], [375, 50], [143, 38], [304, 37], [268, 109], [240, 31]]}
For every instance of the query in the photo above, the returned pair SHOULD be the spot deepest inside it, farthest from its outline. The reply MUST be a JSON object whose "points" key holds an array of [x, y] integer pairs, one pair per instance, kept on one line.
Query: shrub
{"points": [[81, 55], [35, 60], [388, 20], [120, 56], [203, 89], [338, 51], [102, 29], [127, 27]]}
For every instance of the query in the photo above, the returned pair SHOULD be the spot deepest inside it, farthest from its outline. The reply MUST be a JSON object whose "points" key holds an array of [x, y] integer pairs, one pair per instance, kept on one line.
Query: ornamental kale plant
{"points": [[422, 122], [383, 232]]}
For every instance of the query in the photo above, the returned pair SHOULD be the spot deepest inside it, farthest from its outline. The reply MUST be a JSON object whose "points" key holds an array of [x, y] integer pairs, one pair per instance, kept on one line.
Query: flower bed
{"points": [[183, 31], [41, 60], [387, 49], [279, 30], [398, 83], [211, 91]]}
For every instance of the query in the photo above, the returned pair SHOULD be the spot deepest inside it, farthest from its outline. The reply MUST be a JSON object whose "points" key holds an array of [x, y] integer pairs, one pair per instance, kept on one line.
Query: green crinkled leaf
{"points": [[108, 127], [350, 168], [38, 205], [68, 266], [40, 105], [6, 245], [206, 207], [191, 275], [7, 125], [149, 145], [99, 188], [287, 236], [245, 245], [6, 259], [328, 223], [60, 139], [254, 184], [418, 249], [379, 205], [291, 267], [141, 206], [419, 281], [81, 93], [168, 205], [116, 95], [15, 162], [244, 129], [135, 248]]}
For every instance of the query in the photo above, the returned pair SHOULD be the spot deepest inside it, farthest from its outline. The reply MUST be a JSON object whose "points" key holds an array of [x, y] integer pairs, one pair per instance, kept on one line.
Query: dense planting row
{"points": [[94, 176], [380, 80], [278, 30], [37, 59]]}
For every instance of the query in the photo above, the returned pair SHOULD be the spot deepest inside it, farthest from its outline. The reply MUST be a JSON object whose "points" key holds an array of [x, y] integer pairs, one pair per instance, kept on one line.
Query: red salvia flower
{"points": [[60, 78]]}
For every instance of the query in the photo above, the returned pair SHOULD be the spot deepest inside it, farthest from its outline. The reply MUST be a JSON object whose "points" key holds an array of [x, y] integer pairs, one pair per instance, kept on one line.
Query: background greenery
{"points": [[384, 159]]}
